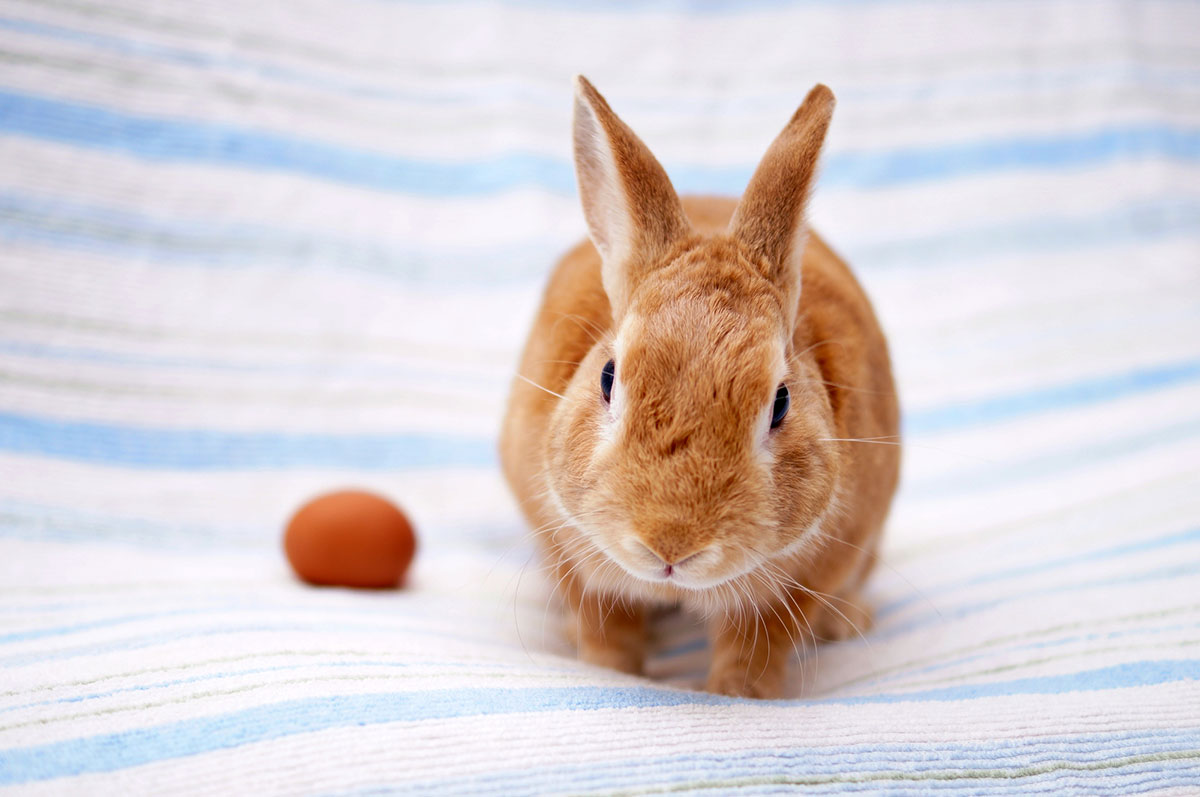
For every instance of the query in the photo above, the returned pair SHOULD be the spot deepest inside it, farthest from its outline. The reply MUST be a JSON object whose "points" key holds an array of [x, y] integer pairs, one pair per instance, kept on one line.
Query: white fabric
{"points": [[250, 252]]}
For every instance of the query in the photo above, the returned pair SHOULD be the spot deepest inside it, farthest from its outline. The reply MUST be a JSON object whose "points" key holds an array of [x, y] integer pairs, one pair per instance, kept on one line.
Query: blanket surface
{"points": [[254, 251]]}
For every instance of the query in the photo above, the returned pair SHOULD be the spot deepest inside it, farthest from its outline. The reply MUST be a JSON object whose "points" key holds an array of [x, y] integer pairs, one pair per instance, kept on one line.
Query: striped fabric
{"points": [[252, 251]]}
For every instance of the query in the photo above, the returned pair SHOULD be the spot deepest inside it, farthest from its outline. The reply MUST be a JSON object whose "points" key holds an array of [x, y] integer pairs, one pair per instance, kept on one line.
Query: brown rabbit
{"points": [[680, 430]]}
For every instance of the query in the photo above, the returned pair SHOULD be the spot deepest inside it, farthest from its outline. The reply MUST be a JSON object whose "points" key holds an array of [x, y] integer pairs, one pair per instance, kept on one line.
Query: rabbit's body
{"points": [[675, 491]]}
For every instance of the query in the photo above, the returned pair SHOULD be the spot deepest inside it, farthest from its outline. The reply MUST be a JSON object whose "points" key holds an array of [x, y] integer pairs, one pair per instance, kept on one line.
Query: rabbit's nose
{"points": [[669, 556]]}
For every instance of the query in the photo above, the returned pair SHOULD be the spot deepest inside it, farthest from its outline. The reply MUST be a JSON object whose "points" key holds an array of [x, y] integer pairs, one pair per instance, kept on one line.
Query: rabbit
{"points": [[684, 426]]}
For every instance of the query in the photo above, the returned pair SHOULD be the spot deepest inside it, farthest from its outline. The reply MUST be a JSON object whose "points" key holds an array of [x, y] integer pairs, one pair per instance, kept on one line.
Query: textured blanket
{"points": [[252, 251]]}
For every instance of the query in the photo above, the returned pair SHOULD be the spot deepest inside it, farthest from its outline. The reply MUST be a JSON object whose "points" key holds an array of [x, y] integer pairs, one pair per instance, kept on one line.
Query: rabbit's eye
{"points": [[782, 402], [606, 379]]}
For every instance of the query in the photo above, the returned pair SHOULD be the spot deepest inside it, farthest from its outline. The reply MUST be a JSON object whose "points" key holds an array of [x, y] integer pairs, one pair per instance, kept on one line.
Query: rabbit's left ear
{"points": [[770, 218], [633, 213]]}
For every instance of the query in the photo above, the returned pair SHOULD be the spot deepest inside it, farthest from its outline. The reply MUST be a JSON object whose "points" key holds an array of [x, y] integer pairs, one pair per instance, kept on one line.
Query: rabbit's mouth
{"points": [[693, 571]]}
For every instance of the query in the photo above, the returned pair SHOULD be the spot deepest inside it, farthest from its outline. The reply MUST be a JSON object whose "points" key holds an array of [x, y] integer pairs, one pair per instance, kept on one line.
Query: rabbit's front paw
{"points": [[852, 618], [736, 680]]}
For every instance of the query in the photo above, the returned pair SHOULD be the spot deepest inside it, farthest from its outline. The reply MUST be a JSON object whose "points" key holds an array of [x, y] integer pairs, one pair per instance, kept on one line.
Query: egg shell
{"points": [[350, 538]]}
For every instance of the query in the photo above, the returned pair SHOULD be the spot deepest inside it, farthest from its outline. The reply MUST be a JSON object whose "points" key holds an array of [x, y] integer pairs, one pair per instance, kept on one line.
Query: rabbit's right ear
{"points": [[770, 217], [633, 213]]}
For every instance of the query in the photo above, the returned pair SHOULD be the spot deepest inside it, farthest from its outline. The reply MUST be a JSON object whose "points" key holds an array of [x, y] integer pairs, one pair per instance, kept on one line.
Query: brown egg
{"points": [[350, 539]]}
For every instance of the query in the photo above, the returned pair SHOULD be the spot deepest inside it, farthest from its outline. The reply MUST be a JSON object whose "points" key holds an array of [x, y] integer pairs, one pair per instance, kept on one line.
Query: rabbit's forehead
{"points": [[697, 346]]}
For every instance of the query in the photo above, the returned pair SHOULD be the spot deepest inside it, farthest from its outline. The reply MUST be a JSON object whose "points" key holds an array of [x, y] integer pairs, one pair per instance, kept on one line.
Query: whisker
{"points": [[593, 329], [561, 362], [744, 602], [539, 387], [516, 620], [788, 580], [850, 387], [785, 600], [827, 342], [909, 444], [758, 616], [889, 566]]}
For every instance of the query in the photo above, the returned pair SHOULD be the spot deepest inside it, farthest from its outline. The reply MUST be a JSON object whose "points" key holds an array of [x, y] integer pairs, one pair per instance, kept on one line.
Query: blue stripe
{"points": [[173, 140], [872, 759], [227, 629], [827, 771], [317, 369], [1049, 152], [993, 652], [491, 667], [1042, 467], [1120, 676], [1176, 571], [1082, 393], [107, 622], [41, 522], [164, 139], [1042, 565], [1046, 234], [771, 774], [109, 752], [200, 449], [125, 46]]}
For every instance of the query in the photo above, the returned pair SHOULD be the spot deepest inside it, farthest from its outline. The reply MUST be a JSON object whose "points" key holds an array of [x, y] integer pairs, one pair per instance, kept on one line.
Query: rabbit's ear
{"points": [[770, 217], [633, 213]]}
